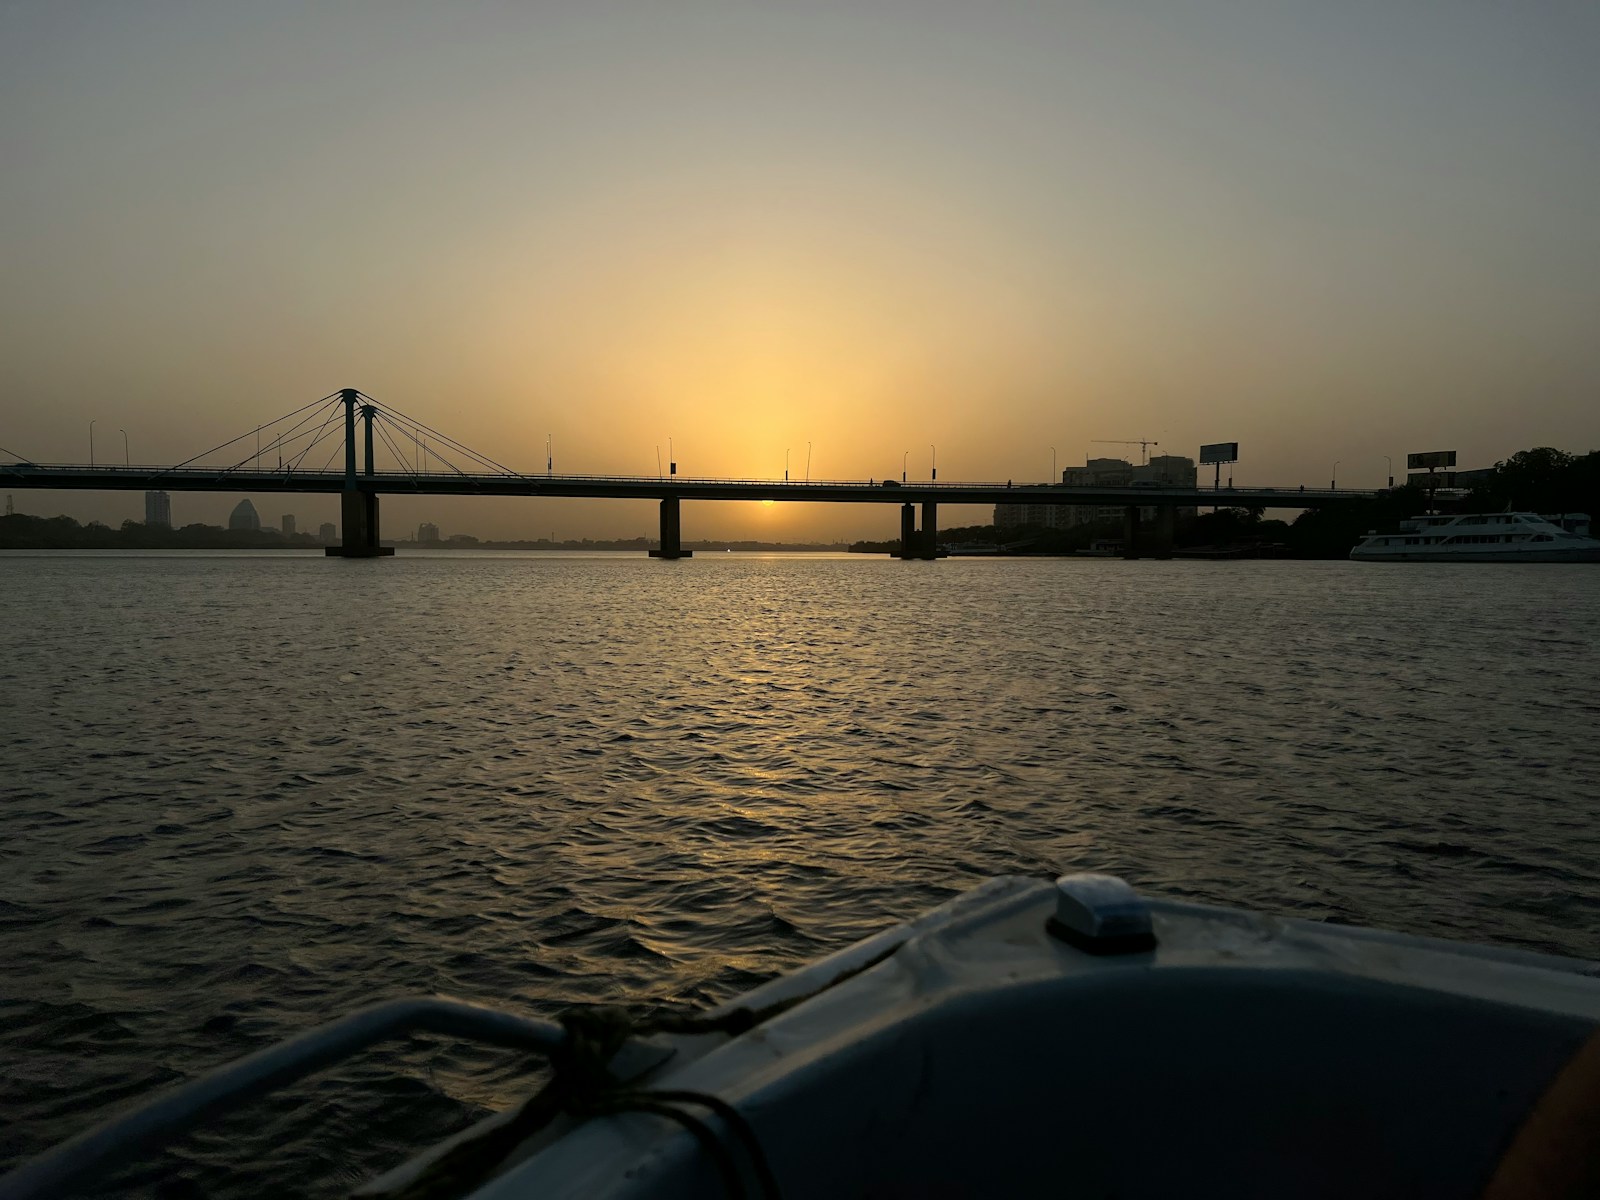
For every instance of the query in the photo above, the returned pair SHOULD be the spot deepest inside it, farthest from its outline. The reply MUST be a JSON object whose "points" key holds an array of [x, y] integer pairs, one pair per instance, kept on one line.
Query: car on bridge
{"points": [[891, 483]]}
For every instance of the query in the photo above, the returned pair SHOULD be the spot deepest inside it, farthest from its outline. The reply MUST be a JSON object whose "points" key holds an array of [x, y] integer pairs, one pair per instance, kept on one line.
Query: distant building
{"points": [[427, 532], [1168, 470], [244, 517], [287, 521], [158, 509], [328, 533]]}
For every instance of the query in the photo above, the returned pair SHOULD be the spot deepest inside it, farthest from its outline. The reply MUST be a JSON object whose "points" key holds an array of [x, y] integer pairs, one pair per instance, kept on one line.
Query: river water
{"points": [[242, 794]]}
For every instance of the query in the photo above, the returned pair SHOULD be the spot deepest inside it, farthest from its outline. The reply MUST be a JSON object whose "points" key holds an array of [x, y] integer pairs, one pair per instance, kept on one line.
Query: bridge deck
{"points": [[651, 487]]}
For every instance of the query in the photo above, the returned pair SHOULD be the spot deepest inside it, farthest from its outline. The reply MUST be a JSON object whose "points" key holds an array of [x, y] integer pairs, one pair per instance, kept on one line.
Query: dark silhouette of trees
{"points": [[1542, 480], [21, 531]]}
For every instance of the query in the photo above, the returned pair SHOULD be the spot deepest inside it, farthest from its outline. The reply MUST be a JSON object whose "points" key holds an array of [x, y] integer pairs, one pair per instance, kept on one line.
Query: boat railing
{"points": [[135, 1134]]}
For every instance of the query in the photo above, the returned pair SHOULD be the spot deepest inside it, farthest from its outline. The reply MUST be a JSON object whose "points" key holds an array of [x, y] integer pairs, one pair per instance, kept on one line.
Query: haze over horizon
{"points": [[1330, 233]]}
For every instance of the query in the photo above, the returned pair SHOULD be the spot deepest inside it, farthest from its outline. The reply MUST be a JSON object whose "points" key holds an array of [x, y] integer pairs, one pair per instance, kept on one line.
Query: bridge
{"points": [[431, 465]]}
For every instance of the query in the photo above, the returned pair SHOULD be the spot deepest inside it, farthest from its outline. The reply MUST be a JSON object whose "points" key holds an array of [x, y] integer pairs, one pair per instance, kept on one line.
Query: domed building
{"points": [[244, 517]]}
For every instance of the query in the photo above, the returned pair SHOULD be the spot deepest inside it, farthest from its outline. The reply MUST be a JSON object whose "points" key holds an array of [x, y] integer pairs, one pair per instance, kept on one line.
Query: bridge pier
{"points": [[924, 544], [671, 537], [358, 527], [1130, 531], [1166, 530]]}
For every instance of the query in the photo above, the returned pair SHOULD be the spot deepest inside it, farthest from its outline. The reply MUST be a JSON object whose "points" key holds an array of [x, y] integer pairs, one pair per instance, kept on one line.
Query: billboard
{"points": [[1219, 452], [1432, 479], [1430, 459]]}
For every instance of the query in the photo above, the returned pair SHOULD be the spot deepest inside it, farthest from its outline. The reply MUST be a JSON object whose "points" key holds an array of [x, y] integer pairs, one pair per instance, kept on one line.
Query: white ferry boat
{"points": [[1483, 537]]}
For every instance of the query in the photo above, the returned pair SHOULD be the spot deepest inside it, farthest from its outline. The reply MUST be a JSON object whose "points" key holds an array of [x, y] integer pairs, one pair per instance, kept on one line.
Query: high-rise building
{"points": [[427, 532], [328, 533], [158, 509], [244, 517], [287, 523]]}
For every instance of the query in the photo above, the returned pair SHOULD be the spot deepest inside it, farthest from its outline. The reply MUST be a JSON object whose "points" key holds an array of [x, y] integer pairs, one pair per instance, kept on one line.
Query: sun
{"points": [[768, 503]]}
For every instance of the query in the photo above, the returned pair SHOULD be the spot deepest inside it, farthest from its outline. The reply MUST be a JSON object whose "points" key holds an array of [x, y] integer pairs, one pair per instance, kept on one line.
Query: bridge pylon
{"points": [[358, 503]]}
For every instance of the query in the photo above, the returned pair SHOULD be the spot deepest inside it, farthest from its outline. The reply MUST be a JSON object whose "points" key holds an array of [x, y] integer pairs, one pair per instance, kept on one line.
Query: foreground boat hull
{"points": [[1025, 1038], [1240, 1056]]}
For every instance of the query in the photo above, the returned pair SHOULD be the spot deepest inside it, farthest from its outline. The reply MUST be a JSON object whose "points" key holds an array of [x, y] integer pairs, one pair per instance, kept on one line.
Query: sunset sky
{"points": [[1329, 232]]}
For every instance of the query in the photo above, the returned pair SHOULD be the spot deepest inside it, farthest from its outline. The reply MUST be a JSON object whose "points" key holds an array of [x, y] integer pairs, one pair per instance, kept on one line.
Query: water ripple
{"points": [[242, 794]]}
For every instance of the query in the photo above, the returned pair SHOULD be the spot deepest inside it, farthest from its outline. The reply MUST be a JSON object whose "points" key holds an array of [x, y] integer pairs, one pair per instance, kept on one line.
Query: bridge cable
{"points": [[282, 440], [410, 433], [451, 442], [256, 454], [338, 446], [403, 433], [395, 450], [242, 436], [430, 451], [294, 464], [484, 459]]}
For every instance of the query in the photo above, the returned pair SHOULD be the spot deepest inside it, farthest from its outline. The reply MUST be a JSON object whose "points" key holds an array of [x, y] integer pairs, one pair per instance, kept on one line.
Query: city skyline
{"points": [[843, 235]]}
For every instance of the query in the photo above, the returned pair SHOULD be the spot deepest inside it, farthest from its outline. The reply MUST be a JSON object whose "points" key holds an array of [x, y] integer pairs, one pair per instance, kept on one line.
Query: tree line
{"points": [[20, 531]]}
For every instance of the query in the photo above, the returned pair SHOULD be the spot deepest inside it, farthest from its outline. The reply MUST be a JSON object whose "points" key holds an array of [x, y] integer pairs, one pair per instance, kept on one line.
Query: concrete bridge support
{"points": [[671, 538], [923, 544], [358, 527], [1166, 530], [1160, 543]]}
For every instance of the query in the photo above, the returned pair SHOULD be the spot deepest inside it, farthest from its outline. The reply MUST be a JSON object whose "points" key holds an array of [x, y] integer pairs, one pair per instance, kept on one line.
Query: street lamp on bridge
{"points": [[1054, 478], [91, 441], [1333, 484], [904, 458], [808, 462], [934, 451], [127, 459], [1389, 462], [786, 464]]}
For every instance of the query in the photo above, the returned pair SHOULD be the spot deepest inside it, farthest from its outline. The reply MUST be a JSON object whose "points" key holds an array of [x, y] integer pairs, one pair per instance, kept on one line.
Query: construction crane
{"points": [[1144, 445]]}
